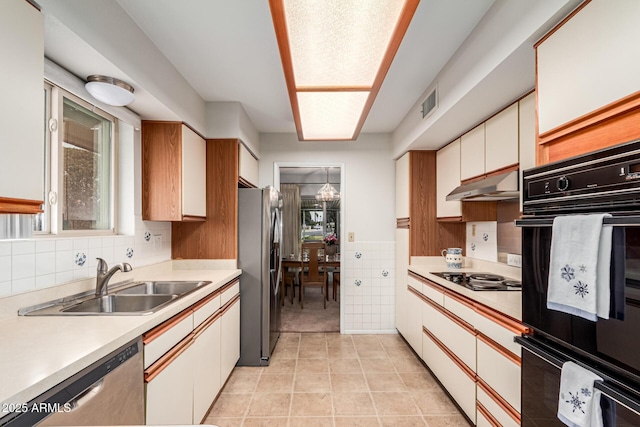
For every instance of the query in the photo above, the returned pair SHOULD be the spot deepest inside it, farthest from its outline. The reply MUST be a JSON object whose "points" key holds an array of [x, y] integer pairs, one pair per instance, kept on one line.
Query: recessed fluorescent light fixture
{"points": [[109, 90], [335, 55]]}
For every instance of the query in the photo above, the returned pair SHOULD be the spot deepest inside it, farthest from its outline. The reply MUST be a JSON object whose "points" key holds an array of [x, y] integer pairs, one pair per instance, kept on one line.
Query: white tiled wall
{"points": [[367, 277], [482, 243], [42, 262]]}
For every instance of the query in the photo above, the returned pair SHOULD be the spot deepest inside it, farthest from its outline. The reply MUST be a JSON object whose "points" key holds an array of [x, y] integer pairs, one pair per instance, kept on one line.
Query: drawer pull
{"points": [[165, 326], [499, 400], [449, 353], [500, 349], [162, 363]]}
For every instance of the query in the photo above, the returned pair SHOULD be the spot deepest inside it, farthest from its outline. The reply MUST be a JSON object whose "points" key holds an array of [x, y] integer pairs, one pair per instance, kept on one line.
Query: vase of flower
{"points": [[331, 244]]}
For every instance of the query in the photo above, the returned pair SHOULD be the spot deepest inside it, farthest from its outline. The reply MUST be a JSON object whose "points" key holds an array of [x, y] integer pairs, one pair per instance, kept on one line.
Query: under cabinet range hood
{"points": [[498, 187]]}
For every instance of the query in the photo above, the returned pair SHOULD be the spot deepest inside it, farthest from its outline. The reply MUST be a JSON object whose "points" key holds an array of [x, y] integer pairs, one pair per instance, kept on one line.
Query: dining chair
{"points": [[290, 279], [336, 283], [315, 274]]}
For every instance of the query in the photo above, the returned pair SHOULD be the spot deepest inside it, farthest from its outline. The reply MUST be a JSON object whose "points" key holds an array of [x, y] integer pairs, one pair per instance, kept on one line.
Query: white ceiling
{"points": [[227, 51]]}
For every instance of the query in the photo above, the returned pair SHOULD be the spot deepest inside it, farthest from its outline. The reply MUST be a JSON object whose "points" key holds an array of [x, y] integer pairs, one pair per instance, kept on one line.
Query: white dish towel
{"points": [[579, 270], [579, 402]]}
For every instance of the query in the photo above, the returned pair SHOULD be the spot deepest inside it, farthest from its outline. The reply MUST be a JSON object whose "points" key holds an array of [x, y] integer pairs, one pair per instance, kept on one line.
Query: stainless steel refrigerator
{"points": [[259, 236]]}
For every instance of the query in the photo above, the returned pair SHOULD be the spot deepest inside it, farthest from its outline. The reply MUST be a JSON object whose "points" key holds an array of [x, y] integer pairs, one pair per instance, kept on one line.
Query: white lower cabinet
{"points": [[182, 383], [469, 347], [458, 380], [169, 388], [414, 320], [500, 371], [207, 378], [493, 413], [230, 338]]}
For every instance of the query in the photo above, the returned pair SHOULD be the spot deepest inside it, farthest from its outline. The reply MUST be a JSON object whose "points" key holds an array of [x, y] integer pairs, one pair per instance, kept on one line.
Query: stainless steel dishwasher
{"points": [[108, 392]]}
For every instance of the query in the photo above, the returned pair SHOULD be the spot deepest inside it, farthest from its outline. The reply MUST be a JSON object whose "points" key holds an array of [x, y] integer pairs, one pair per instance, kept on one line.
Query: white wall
{"points": [[230, 120], [369, 186], [368, 198]]}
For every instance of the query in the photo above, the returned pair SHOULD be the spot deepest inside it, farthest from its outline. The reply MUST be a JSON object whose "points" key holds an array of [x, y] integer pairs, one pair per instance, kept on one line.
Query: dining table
{"points": [[332, 261]]}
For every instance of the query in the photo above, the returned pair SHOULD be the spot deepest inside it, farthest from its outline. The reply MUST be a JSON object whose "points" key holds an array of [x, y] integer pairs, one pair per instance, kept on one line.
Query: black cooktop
{"points": [[481, 281]]}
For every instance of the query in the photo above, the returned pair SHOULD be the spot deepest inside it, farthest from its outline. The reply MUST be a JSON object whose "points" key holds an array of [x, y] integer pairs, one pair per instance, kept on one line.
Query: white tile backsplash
{"points": [[482, 240], [42, 262], [368, 307]]}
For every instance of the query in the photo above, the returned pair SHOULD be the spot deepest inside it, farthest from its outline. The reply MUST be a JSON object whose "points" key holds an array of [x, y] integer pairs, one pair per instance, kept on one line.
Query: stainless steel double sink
{"points": [[137, 298]]}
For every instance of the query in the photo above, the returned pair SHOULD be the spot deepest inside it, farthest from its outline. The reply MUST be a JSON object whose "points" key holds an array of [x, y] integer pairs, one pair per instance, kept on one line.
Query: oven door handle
{"points": [[614, 221], [609, 390]]}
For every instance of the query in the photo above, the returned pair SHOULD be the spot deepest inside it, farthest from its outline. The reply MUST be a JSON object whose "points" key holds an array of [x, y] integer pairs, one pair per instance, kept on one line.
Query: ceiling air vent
{"points": [[429, 104]]}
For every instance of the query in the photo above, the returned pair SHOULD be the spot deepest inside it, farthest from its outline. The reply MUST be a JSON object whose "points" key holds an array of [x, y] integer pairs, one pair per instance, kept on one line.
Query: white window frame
{"points": [[54, 165]]}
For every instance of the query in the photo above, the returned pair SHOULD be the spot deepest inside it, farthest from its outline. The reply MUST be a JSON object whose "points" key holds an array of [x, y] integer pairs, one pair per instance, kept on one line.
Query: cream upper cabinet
{"points": [[472, 153], [194, 174], [247, 166], [22, 102], [447, 179], [527, 135], [600, 42], [402, 186], [501, 139]]}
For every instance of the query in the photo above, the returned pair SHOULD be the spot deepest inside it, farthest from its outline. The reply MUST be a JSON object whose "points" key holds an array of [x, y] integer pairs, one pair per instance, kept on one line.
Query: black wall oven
{"points": [[604, 181]]}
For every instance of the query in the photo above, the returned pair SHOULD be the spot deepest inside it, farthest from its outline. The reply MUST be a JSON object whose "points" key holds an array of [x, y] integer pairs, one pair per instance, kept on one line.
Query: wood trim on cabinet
{"points": [[479, 211], [228, 285], [495, 396], [215, 238], [487, 415], [206, 300], [10, 205], [229, 304], [446, 313], [505, 169], [467, 302], [154, 333], [449, 219], [612, 124], [403, 223], [501, 319], [500, 349], [468, 371], [193, 218], [161, 364], [428, 282], [243, 183], [208, 322]]}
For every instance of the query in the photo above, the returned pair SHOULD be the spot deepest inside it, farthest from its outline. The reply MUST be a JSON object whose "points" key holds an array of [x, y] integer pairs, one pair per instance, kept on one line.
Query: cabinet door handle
{"points": [[162, 363]]}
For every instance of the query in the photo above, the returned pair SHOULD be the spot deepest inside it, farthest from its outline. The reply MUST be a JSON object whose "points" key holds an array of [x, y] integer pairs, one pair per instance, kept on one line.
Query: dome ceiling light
{"points": [[110, 90], [335, 55]]}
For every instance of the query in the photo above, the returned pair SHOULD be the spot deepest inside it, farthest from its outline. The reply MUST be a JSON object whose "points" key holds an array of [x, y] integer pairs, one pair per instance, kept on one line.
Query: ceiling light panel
{"points": [[330, 115], [338, 43]]}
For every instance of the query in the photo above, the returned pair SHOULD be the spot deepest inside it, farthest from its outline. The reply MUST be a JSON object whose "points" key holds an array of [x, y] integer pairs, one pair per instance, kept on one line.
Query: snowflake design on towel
{"points": [[586, 392], [582, 268], [567, 272], [581, 288], [576, 402]]}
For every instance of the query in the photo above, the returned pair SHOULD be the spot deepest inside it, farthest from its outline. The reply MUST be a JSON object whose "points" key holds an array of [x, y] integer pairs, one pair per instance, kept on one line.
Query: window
{"points": [[79, 147]]}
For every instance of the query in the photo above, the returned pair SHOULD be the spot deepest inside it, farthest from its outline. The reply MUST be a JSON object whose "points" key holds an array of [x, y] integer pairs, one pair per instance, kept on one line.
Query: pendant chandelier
{"points": [[327, 192]]}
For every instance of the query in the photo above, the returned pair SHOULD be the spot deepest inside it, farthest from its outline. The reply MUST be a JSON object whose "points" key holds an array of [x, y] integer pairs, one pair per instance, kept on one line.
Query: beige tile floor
{"points": [[328, 379]]}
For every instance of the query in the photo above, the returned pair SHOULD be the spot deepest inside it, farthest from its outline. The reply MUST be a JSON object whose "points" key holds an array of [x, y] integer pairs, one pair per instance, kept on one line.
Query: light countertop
{"points": [[506, 302], [37, 353]]}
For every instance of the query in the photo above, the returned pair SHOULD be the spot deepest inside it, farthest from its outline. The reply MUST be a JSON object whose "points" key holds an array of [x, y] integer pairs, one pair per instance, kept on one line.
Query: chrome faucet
{"points": [[104, 273]]}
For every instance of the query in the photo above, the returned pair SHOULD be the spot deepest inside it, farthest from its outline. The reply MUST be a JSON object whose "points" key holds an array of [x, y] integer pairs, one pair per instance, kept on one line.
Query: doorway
{"points": [[307, 218]]}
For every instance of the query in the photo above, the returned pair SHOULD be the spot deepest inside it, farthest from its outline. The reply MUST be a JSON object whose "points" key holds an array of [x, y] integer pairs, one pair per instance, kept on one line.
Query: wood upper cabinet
{"points": [[173, 172], [21, 107], [501, 139], [247, 167], [448, 178], [472, 152]]}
